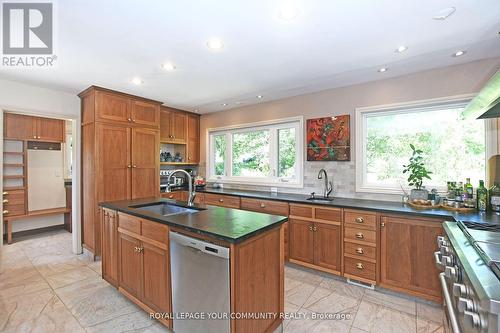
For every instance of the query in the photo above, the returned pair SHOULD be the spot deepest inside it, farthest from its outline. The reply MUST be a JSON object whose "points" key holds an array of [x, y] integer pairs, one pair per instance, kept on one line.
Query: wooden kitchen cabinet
{"points": [[301, 241], [327, 246], [407, 249], [109, 247], [21, 127], [120, 149], [156, 279], [228, 201], [173, 125], [193, 139], [131, 274]]}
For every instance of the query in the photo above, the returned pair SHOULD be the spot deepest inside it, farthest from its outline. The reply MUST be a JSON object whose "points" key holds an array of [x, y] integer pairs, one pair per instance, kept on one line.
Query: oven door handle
{"points": [[449, 304], [437, 258]]}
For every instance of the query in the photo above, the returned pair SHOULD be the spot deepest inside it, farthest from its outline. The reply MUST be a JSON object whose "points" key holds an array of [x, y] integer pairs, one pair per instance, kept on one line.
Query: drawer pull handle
{"points": [[359, 220], [360, 250], [315, 228], [360, 235], [310, 228], [5, 212], [359, 265], [5, 201], [262, 205], [221, 200], [5, 193], [171, 196]]}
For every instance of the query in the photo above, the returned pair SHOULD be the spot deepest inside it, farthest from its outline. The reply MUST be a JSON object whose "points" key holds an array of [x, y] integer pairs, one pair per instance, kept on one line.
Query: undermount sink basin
{"points": [[320, 199], [165, 209]]}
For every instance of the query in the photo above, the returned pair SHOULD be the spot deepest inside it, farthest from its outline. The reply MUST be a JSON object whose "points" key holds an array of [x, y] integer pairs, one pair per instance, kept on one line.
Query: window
{"points": [[266, 153], [454, 146]]}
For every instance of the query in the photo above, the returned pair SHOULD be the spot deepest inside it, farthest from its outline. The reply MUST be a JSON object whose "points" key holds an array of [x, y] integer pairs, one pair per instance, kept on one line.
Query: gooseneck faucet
{"points": [[192, 193], [328, 185]]}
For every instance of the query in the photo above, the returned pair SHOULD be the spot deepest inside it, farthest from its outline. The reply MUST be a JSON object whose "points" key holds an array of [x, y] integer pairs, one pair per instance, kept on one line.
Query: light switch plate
{"points": [[274, 190]]}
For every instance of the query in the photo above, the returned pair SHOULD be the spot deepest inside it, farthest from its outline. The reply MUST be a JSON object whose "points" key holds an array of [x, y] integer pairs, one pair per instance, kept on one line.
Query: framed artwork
{"points": [[328, 139]]}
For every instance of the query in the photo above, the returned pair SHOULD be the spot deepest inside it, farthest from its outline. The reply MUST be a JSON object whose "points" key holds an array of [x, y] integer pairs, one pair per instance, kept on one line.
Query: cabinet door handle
{"points": [[315, 228], [221, 200], [129, 166], [360, 250], [262, 205], [360, 235], [382, 224], [189, 158], [359, 220], [129, 120], [359, 265], [5, 193], [5, 201], [310, 228], [5, 212], [38, 137], [134, 166]]}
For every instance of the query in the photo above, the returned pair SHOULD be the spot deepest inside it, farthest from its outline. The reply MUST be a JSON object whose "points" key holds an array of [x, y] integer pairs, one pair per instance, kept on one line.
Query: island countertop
{"points": [[231, 225]]}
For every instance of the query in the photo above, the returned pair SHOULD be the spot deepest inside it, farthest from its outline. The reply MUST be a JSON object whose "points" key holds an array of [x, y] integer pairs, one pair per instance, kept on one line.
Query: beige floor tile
{"points": [[137, 321], [327, 301], [303, 274], [289, 309], [429, 311], [297, 291], [391, 300], [93, 301], [20, 281], [96, 266], [57, 263], [340, 286], [309, 325], [373, 317], [356, 330], [65, 278]]}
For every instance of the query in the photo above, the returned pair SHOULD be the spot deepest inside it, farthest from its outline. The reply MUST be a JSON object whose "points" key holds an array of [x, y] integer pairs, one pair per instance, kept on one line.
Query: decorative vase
{"points": [[419, 194]]}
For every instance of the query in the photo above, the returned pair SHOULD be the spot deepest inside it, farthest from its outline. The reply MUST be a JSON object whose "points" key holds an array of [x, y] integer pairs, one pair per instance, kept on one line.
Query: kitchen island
{"points": [[137, 258]]}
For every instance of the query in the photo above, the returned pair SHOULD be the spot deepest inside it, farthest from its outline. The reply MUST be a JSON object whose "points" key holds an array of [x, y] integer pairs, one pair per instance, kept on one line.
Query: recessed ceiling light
{"points": [[443, 14], [137, 81], [288, 12], [383, 69], [224, 104], [259, 96], [459, 53], [401, 49], [215, 44], [168, 66]]}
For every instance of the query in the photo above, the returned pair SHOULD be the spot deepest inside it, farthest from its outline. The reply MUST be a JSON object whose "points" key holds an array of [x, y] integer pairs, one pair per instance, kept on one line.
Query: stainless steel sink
{"points": [[165, 209], [320, 199]]}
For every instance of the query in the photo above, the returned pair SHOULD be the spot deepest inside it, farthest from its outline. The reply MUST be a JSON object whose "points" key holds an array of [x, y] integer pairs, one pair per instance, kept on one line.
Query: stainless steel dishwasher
{"points": [[200, 285]]}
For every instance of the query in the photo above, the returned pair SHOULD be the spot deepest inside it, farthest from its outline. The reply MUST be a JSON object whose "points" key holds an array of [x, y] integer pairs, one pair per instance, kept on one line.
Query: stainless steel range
{"points": [[469, 258]]}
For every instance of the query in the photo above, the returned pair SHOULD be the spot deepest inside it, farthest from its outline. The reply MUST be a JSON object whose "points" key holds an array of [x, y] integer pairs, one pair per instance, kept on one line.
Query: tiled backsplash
{"points": [[342, 174]]}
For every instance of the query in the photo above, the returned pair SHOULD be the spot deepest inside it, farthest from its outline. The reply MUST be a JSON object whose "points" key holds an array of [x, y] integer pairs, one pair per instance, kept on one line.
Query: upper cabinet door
{"points": [[50, 129], [179, 127], [145, 163], [193, 139], [112, 107], [19, 127], [146, 113], [165, 121]]}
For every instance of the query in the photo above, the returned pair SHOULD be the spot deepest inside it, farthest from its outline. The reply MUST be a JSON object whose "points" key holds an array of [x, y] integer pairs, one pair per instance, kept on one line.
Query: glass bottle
{"points": [[469, 189], [495, 197], [482, 197]]}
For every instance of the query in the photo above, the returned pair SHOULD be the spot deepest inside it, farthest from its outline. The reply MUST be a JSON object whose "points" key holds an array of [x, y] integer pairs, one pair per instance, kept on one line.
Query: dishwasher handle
{"points": [[198, 244]]}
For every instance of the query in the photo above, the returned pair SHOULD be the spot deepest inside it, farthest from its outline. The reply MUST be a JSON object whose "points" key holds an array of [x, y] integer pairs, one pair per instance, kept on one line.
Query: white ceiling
{"points": [[330, 43]]}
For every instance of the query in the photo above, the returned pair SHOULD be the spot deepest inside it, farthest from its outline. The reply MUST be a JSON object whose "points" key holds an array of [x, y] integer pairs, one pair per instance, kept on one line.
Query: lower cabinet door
{"points": [[301, 240], [109, 247], [156, 278], [130, 265], [327, 246]]}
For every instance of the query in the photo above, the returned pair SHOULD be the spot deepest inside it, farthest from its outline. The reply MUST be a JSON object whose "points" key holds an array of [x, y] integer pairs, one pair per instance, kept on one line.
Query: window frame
{"points": [[273, 126], [363, 113]]}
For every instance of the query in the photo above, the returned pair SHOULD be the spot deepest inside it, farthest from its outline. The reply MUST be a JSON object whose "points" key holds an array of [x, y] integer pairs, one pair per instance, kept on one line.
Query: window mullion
{"points": [[273, 152], [228, 163]]}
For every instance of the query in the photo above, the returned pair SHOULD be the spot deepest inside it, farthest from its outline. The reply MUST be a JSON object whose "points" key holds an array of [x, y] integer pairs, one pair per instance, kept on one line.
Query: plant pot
{"points": [[421, 194]]}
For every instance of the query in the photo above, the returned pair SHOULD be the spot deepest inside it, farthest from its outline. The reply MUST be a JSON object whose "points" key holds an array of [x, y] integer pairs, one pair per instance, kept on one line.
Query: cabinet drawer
{"points": [[265, 206], [360, 235], [360, 268], [360, 250], [301, 211], [155, 231], [129, 222], [177, 195], [328, 214], [13, 210], [15, 197], [228, 201], [360, 219], [199, 198]]}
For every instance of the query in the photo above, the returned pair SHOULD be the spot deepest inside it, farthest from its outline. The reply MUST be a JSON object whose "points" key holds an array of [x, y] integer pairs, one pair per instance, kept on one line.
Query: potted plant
{"points": [[417, 173]]}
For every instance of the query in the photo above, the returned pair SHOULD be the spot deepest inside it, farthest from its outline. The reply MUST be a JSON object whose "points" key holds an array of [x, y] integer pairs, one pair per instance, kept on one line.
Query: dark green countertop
{"points": [[231, 225], [375, 205]]}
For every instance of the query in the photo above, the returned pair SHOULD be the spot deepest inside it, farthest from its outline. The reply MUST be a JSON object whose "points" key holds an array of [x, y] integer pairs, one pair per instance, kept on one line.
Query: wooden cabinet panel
{"points": [[179, 127], [265, 206], [360, 235], [360, 250], [301, 240], [130, 223], [109, 247], [229, 201], [156, 282], [328, 214], [286, 241], [130, 265], [50, 129], [301, 211], [113, 160], [193, 139], [406, 255], [176, 195], [146, 113], [19, 127], [155, 231], [112, 107], [165, 124], [360, 269], [327, 246], [145, 163], [360, 219]]}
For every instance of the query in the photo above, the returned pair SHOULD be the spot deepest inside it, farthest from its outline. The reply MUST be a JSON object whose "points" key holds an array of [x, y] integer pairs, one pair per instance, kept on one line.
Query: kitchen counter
{"points": [[231, 225], [376, 205]]}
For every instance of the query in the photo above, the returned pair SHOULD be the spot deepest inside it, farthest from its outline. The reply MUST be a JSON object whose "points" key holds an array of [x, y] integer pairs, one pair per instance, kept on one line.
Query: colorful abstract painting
{"points": [[328, 139]]}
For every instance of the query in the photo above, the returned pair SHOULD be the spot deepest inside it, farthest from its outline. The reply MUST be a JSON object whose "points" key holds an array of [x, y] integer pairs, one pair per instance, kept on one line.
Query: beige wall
{"points": [[449, 81]]}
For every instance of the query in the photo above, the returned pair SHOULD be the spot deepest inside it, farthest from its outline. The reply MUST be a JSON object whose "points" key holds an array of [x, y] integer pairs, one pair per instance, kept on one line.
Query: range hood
{"points": [[487, 103]]}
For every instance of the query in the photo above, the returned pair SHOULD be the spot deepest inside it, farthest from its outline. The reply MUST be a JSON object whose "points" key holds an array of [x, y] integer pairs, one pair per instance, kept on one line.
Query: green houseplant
{"points": [[417, 172]]}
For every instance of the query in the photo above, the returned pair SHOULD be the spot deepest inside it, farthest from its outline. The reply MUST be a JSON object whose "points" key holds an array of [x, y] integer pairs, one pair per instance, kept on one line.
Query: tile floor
{"points": [[45, 288]]}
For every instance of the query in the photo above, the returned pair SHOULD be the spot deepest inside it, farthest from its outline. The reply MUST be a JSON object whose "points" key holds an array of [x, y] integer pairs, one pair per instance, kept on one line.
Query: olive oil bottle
{"points": [[482, 197]]}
